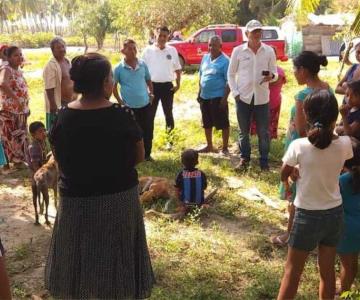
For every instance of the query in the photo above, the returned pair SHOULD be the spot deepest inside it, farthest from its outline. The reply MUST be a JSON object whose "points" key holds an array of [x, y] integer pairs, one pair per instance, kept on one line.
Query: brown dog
{"points": [[44, 178]]}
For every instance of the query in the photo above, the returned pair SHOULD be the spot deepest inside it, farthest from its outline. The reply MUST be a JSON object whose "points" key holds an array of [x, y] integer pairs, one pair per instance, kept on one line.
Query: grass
{"points": [[222, 253]]}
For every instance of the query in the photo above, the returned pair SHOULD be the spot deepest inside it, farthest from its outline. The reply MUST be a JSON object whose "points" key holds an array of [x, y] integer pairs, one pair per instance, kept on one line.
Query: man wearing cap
{"points": [[252, 67]]}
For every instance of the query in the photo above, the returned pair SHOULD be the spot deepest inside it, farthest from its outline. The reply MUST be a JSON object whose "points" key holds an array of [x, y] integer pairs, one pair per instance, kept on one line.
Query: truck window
{"points": [[269, 34], [204, 36], [228, 36]]}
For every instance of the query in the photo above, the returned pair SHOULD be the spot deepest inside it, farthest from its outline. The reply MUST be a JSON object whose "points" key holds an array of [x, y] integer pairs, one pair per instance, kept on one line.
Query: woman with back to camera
{"points": [[98, 248], [306, 70]]}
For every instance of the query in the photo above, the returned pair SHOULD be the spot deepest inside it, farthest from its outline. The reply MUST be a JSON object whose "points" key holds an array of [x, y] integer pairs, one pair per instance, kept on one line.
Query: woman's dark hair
{"points": [[10, 51], [321, 110], [353, 164], [189, 158], [354, 86], [88, 72], [310, 61]]}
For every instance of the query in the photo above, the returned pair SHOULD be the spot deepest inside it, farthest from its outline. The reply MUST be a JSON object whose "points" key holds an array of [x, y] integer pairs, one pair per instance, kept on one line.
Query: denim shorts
{"points": [[316, 227]]}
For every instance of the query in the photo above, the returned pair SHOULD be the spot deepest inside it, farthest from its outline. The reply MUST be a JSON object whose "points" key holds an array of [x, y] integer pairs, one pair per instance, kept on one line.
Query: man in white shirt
{"points": [[252, 67], [164, 66]]}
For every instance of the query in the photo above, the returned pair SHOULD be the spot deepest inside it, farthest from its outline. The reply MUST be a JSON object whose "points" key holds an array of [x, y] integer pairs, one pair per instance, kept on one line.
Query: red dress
{"points": [[275, 105]]}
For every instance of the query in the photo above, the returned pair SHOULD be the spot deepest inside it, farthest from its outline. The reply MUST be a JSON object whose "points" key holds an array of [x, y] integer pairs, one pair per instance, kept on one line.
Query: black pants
{"points": [[163, 91], [144, 119]]}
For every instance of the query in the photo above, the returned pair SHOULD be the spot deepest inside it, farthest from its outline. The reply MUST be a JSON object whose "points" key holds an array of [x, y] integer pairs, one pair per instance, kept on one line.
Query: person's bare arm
{"points": [[300, 121], [151, 90], [140, 152], [340, 88], [116, 94], [4, 84], [5, 293], [352, 129], [224, 99], [178, 80], [50, 93]]}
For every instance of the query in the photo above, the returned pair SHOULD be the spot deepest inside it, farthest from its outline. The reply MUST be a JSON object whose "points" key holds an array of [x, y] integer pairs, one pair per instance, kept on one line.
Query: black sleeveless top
{"points": [[95, 150]]}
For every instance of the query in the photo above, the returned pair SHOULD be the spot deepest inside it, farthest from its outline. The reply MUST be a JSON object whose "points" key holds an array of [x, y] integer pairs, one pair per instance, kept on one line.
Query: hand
{"points": [[295, 175], [223, 103], [267, 78], [344, 86], [344, 110], [175, 88], [53, 108], [151, 98], [237, 98]]}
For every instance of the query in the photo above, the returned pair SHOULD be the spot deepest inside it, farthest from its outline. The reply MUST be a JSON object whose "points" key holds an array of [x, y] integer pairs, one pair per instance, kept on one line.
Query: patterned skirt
{"points": [[13, 133], [98, 249]]}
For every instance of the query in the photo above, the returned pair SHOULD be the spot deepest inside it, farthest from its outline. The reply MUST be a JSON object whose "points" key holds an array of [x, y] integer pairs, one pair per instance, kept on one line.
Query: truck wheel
{"points": [[182, 62]]}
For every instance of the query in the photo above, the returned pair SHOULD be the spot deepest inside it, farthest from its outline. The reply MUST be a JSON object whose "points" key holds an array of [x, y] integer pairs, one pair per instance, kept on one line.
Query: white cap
{"points": [[253, 25]]}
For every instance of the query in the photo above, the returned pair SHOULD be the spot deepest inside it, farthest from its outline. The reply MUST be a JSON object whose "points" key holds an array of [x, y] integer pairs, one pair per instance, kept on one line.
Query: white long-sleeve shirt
{"points": [[245, 73]]}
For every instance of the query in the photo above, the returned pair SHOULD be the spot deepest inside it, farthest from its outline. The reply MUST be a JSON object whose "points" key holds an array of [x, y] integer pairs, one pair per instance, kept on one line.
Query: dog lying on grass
{"points": [[155, 188], [45, 178]]}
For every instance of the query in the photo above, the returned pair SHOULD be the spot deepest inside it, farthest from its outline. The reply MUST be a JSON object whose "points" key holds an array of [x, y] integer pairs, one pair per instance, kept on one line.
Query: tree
{"points": [[138, 16], [100, 21], [81, 23]]}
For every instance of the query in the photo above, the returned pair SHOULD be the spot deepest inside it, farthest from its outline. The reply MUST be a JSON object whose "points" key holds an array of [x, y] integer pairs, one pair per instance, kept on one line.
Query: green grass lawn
{"points": [[221, 253]]}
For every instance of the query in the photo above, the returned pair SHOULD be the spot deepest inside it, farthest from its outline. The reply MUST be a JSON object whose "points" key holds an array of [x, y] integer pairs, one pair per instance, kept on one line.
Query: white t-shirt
{"points": [[162, 63], [318, 185]]}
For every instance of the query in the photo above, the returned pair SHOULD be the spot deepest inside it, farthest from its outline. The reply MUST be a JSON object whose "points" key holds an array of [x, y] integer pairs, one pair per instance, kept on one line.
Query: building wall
{"points": [[319, 38]]}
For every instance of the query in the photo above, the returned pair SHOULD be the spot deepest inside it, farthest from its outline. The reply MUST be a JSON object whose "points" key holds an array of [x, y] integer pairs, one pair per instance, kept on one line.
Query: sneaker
{"points": [[242, 165], [149, 158]]}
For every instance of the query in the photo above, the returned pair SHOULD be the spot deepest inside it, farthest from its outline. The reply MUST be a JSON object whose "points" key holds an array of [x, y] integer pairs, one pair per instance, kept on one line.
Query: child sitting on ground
{"points": [[350, 112], [349, 246], [190, 182]]}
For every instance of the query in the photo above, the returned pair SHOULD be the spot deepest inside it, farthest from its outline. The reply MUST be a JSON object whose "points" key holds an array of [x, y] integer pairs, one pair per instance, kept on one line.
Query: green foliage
{"points": [[351, 295], [93, 19], [134, 16], [27, 40]]}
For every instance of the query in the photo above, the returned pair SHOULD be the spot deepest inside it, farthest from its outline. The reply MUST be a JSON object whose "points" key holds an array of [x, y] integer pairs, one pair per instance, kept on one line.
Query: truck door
{"points": [[230, 40]]}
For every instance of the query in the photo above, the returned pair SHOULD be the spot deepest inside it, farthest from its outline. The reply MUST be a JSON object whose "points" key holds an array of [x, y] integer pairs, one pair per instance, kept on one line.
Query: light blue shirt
{"points": [[213, 76], [133, 87]]}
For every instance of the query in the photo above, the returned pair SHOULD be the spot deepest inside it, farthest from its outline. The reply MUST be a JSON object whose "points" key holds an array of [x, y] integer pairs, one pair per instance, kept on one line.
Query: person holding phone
{"points": [[252, 67]]}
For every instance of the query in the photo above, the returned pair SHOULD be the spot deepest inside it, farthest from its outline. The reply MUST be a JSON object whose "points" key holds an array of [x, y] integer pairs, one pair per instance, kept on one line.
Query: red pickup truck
{"points": [[192, 49]]}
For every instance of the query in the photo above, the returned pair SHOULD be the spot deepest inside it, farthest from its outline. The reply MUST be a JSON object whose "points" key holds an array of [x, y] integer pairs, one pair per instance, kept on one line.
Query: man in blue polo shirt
{"points": [[136, 91], [213, 94]]}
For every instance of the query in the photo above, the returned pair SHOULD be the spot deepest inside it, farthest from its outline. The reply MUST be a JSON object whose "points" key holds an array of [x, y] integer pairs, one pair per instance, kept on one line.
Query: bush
{"points": [[27, 40], [40, 39]]}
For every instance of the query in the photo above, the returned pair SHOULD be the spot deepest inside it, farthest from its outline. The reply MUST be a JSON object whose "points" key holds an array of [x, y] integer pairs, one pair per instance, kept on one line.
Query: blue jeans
{"points": [[261, 114]]}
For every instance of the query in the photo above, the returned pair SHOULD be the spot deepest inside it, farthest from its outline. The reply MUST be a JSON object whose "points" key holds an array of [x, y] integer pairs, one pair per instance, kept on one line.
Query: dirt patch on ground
{"points": [[26, 244]]}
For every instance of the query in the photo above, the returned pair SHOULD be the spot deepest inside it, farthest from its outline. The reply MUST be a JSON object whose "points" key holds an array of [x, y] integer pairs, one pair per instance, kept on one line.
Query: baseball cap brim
{"points": [[254, 28]]}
